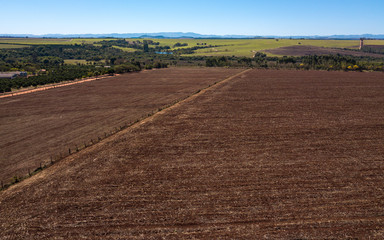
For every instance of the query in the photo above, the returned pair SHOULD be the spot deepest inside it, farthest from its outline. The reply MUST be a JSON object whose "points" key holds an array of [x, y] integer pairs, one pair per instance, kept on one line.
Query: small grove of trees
{"points": [[260, 60], [233, 61], [127, 67], [156, 65], [217, 62], [245, 61], [180, 45]]}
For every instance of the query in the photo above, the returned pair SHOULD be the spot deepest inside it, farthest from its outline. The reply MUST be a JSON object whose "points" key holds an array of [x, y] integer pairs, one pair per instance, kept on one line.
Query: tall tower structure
{"points": [[361, 43]]}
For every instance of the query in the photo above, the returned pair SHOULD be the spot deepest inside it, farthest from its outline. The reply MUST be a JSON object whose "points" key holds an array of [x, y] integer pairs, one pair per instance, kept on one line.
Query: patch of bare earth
{"points": [[305, 50], [269, 154], [37, 126]]}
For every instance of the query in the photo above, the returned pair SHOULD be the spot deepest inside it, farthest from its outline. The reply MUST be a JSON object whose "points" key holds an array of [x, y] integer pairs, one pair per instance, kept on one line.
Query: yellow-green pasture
{"points": [[12, 46], [51, 41], [75, 61], [35, 41], [125, 49], [83, 61], [248, 47], [88, 40], [225, 47], [374, 42]]}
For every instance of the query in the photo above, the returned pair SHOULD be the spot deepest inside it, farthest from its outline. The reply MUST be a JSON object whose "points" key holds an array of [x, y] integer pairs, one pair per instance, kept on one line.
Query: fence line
{"points": [[77, 148], [106, 135]]}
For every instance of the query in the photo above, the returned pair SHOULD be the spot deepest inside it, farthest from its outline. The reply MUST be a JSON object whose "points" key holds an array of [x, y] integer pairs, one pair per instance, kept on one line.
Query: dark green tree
{"points": [[145, 46]]}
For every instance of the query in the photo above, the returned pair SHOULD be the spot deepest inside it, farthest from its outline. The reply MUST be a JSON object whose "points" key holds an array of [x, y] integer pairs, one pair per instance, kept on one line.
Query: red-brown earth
{"points": [[267, 155], [37, 126], [304, 50]]}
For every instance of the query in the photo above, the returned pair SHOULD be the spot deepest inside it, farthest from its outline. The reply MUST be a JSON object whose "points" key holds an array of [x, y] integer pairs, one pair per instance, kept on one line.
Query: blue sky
{"points": [[245, 17]]}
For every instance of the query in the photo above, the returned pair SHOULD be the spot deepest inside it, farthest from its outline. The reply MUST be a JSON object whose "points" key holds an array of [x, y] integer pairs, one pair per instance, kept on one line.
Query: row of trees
{"points": [[314, 62], [372, 49], [54, 75]]}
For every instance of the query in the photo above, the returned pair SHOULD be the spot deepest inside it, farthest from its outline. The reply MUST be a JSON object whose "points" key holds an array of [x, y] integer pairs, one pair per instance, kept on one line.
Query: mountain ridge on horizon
{"points": [[188, 35]]}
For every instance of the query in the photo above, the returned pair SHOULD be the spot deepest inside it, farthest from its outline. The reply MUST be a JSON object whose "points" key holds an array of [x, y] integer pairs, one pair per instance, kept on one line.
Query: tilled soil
{"points": [[304, 50], [269, 154], [38, 126]]}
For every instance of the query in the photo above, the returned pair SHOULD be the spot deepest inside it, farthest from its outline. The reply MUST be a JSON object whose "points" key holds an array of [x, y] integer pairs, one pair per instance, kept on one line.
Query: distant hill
{"points": [[186, 35], [367, 36], [129, 35]]}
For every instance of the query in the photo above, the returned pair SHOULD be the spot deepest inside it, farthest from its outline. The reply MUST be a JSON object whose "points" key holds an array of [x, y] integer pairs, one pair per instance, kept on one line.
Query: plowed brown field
{"points": [[39, 125], [304, 50], [267, 155]]}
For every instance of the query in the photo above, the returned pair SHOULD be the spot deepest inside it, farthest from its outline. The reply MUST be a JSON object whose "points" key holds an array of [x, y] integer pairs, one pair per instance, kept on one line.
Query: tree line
{"points": [[313, 62]]}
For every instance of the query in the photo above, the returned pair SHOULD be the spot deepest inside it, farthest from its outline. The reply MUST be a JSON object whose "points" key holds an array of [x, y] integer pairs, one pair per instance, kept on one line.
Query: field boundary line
{"points": [[196, 94], [42, 172], [45, 87]]}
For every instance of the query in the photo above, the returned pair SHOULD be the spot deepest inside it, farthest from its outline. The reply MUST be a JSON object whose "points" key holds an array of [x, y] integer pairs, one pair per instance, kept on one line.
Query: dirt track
{"points": [[270, 154], [45, 124]]}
